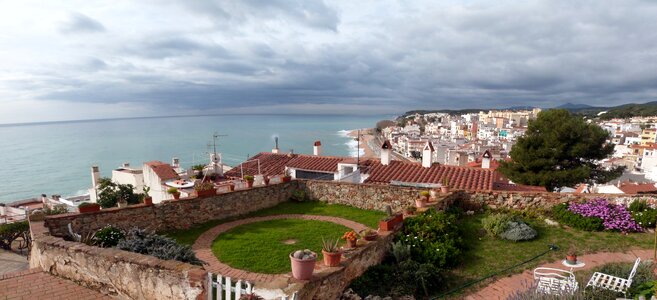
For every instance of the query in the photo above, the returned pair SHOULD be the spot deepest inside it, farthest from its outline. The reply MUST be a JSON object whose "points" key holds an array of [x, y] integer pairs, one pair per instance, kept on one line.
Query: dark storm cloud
{"points": [[80, 23], [235, 54]]}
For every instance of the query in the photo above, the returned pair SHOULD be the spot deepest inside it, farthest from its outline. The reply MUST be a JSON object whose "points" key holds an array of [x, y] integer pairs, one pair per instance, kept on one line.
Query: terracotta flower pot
{"points": [[249, 183], [176, 195], [231, 187], [302, 269], [421, 202], [266, 179], [571, 259], [148, 200], [370, 237], [391, 223], [331, 259], [352, 243], [206, 193], [89, 208], [444, 189], [287, 178]]}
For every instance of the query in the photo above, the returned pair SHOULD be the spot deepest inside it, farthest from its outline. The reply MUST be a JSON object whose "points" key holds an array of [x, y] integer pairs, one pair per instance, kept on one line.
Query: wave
{"points": [[344, 133], [352, 146]]}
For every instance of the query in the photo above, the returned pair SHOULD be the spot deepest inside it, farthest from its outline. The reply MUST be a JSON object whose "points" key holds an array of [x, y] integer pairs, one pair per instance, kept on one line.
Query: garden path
{"points": [[504, 287], [202, 246], [36, 284]]}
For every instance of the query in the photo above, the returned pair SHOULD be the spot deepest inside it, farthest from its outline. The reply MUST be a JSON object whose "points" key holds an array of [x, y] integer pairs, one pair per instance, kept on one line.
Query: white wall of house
{"points": [[608, 189], [158, 190]]}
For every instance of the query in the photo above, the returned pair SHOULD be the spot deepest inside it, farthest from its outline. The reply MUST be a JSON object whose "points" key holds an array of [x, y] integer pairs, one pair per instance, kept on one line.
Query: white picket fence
{"points": [[222, 288]]}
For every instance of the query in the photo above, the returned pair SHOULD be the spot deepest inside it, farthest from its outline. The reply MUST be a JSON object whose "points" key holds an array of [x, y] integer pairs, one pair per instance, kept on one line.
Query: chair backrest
{"points": [[553, 273], [636, 266]]}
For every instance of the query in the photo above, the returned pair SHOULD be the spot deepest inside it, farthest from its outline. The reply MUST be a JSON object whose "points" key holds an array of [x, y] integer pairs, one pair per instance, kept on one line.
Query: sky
{"points": [[63, 60]]}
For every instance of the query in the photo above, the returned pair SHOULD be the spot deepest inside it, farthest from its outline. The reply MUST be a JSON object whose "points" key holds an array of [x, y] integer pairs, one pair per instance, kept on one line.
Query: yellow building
{"points": [[649, 135]]}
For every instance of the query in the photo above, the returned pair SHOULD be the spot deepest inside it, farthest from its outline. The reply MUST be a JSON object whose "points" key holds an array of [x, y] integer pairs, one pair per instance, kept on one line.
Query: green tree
{"points": [[560, 149], [109, 193]]}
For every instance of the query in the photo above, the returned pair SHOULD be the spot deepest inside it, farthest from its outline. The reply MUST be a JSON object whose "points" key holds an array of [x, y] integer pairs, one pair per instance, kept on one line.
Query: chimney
{"points": [[485, 160], [175, 162], [427, 155], [126, 165], [275, 150], [95, 176], [385, 153], [44, 198], [317, 148]]}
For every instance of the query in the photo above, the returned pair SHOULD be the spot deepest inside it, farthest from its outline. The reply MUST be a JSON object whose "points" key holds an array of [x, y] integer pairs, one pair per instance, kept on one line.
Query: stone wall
{"points": [[173, 215], [116, 272], [544, 200]]}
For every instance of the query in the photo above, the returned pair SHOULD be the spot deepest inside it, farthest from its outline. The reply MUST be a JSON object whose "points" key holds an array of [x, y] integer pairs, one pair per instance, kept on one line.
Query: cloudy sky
{"points": [[100, 59]]}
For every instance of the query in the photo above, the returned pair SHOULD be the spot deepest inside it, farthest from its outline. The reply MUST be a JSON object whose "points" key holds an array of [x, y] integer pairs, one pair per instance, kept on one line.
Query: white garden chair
{"points": [[613, 283], [555, 281]]}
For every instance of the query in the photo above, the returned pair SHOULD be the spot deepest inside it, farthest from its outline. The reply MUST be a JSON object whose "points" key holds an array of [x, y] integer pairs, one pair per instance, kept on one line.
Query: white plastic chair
{"points": [[555, 281], [612, 283]]}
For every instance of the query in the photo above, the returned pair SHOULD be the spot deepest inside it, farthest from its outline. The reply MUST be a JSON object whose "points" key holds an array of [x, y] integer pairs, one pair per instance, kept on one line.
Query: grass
{"points": [[485, 255], [260, 247], [367, 217]]}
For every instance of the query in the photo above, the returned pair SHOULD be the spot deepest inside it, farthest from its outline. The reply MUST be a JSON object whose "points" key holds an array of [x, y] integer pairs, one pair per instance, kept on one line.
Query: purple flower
{"points": [[614, 216]]}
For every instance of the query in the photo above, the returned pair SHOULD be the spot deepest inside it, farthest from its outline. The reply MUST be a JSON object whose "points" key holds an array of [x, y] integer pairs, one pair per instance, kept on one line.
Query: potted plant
{"points": [[391, 222], [331, 253], [303, 264], [198, 171], [369, 234], [86, 207], [174, 192], [205, 189], [445, 186], [351, 237], [251, 296], [422, 200], [148, 200], [287, 177], [571, 256], [249, 181], [410, 210], [266, 179], [122, 203]]}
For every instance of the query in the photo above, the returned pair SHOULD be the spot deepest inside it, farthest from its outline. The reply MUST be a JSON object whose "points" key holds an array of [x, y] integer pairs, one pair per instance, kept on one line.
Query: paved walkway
{"points": [[203, 245], [11, 262], [502, 288], [35, 284]]}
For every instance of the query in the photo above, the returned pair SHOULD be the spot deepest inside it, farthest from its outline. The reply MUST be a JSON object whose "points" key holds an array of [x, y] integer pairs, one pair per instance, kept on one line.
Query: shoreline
{"points": [[366, 138]]}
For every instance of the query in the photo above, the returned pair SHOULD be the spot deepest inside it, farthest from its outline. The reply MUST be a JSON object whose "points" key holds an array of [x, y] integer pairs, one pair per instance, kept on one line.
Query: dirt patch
{"points": [[290, 242]]}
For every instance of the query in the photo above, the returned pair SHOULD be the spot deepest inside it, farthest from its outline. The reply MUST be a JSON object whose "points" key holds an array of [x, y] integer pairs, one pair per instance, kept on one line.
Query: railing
{"points": [[221, 288]]}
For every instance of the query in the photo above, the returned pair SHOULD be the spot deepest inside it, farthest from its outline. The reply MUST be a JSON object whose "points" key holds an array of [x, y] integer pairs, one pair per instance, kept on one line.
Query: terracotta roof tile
{"points": [[163, 170], [316, 163], [637, 188], [271, 164]]}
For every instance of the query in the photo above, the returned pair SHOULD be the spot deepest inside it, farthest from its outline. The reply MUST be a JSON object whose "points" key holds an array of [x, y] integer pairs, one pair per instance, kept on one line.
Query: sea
{"points": [[56, 157]]}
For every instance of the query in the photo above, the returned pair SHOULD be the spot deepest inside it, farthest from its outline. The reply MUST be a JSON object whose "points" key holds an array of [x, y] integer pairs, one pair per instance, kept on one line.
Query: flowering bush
{"points": [[564, 216], [613, 216], [434, 237], [643, 213]]}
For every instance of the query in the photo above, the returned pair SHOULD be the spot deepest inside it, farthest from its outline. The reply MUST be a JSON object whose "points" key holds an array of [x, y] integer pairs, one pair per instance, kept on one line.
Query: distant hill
{"points": [[574, 106]]}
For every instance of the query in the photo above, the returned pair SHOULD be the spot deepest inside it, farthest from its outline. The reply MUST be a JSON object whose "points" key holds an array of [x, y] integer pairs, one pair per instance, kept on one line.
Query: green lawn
{"points": [[261, 247], [367, 217], [485, 255]]}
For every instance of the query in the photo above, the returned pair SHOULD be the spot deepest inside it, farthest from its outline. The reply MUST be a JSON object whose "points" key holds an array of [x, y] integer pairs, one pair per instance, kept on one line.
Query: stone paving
{"points": [[35, 284], [504, 287], [12, 262], [203, 245]]}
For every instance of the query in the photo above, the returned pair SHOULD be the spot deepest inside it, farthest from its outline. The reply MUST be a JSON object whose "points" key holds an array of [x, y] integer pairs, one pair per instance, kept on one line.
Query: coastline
{"points": [[366, 138]]}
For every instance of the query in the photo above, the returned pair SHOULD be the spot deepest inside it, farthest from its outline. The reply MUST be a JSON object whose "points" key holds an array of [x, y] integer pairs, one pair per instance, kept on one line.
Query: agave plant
{"points": [[329, 246]]}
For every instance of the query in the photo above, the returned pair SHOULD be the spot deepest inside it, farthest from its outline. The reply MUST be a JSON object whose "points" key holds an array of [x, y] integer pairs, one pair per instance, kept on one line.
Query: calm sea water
{"points": [[55, 158]]}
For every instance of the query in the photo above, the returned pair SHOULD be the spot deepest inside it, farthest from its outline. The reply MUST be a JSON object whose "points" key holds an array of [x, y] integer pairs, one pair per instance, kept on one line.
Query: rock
{"points": [[298, 254], [551, 223], [349, 294]]}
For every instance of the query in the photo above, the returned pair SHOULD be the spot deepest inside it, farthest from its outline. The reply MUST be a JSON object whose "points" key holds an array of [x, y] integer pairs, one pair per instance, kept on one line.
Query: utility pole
{"points": [[358, 148]]}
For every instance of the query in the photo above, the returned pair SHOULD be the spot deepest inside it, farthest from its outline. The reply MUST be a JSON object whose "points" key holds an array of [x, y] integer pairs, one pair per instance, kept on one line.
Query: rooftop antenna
{"points": [[215, 136], [276, 141], [358, 148]]}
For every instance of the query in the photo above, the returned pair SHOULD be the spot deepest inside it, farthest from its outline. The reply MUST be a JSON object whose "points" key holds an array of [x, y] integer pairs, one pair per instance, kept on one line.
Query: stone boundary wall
{"points": [[544, 200], [172, 215], [116, 272], [329, 283], [366, 196]]}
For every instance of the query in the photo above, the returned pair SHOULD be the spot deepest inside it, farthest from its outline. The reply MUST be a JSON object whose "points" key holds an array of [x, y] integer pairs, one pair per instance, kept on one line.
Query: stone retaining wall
{"points": [[173, 215], [116, 272], [544, 200]]}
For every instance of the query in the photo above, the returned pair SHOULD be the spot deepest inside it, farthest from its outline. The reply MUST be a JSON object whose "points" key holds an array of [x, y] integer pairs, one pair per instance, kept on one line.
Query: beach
{"points": [[367, 142]]}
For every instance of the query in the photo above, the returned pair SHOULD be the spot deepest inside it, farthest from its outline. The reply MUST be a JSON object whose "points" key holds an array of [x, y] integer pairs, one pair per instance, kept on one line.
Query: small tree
{"points": [[560, 149], [109, 193]]}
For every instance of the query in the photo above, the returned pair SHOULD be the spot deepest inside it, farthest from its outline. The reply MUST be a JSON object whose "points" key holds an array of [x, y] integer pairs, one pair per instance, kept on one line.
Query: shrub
{"points": [[370, 283], [406, 278], [496, 224], [172, 190], [434, 238], [109, 193], [425, 193], [401, 251], [638, 205], [298, 196], [563, 215], [55, 210], [204, 186], [12, 231], [646, 218], [518, 231], [141, 241], [647, 289], [248, 178], [580, 294], [614, 216], [108, 236]]}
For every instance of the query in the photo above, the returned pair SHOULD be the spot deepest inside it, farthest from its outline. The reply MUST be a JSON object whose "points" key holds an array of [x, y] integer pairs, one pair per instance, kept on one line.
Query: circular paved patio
{"points": [[202, 246]]}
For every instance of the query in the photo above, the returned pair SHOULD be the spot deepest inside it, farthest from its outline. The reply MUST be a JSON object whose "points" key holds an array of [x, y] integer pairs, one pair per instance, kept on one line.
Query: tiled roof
{"points": [[316, 163], [637, 188], [498, 186], [162, 170], [458, 177], [494, 164], [271, 164]]}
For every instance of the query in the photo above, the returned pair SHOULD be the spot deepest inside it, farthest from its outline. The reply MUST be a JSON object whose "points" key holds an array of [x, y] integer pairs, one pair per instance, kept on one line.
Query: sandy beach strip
{"points": [[365, 139]]}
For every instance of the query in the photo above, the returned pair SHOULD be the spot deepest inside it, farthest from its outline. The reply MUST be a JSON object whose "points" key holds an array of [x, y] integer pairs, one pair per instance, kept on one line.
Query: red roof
{"points": [[162, 170], [458, 177], [271, 164], [637, 188], [316, 163], [494, 164], [317, 143]]}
